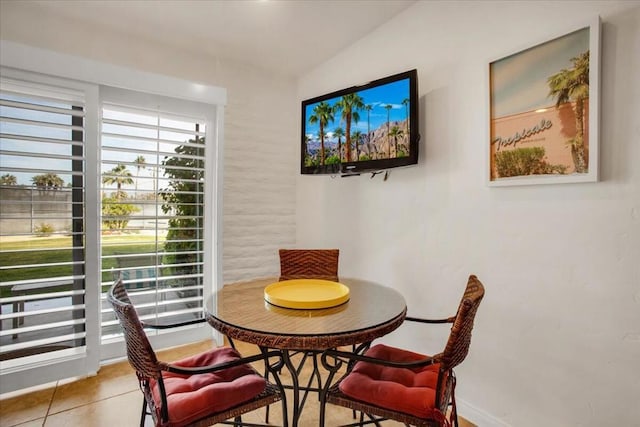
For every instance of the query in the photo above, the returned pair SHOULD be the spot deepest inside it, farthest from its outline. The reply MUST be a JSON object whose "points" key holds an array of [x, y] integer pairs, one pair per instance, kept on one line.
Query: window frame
{"points": [[112, 348], [20, 60], [42, 368]]}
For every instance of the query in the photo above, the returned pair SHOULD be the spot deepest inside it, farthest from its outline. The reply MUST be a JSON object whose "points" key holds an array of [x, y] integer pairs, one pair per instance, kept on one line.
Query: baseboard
{"points": [[478, 416]]}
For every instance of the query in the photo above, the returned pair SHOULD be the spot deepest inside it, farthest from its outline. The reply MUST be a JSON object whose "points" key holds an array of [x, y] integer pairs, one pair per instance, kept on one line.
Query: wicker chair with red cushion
{"points": [[200, 390], [309, 264], [392, 383]]}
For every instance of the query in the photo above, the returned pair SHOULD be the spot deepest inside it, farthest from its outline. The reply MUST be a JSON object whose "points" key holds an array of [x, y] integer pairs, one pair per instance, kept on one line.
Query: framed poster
{"points": [[544, 111]]}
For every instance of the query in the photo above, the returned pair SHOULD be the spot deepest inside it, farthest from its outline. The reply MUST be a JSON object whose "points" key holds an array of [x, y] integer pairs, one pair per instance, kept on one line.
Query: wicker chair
{"points": [[201, 390], [396, 384], [309, 264]]}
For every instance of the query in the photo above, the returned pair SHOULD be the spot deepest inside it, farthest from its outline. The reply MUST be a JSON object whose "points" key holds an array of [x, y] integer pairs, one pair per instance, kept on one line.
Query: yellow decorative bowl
{"points": [[306, 293]]}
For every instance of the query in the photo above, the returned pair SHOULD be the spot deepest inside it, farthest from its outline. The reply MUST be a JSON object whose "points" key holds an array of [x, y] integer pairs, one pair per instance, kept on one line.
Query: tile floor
{"points": [[112, 398]]}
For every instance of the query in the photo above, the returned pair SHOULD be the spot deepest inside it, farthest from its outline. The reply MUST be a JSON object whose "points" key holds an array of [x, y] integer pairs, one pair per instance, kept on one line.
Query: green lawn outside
{"points": [[114, 244]]}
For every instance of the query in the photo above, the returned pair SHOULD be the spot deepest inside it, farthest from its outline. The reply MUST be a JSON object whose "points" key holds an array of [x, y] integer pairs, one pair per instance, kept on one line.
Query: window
{"points": [[41, 219], [43, 240], [153, 227], [99, 183]]}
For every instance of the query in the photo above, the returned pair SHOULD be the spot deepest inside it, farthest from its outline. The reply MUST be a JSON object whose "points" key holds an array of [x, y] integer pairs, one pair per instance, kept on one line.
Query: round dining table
{"points": [[240, 312]]}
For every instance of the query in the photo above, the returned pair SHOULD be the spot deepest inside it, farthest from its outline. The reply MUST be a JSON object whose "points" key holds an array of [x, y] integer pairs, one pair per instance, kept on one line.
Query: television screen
{"points": [[364, 128]]}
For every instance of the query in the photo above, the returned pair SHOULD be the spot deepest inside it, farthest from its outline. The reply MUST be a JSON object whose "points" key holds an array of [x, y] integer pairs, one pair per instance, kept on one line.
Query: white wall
{"points": [[260, 158], [557, 338]]}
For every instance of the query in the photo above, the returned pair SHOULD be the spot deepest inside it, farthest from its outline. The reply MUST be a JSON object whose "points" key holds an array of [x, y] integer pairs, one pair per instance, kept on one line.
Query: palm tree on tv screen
{"points": [[356, 136], [368, 109], [406, 102], [388, 107], [306, 150], [350, 105], [573, 85], [396, 133], [339, 133], [323, 113]]}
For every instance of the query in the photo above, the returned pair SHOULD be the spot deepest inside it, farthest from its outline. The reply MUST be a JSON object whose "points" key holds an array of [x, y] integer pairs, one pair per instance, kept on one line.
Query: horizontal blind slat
{"points": [[40, 123], [44, 264], [41, 171], [43, 108], [41, 92], [26, 314], [41, 155], [43, 342], [43, 327], [134, 124], [41, 139]]}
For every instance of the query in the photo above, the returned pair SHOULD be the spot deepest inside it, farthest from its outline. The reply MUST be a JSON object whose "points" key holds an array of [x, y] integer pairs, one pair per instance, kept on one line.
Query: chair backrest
{"points": [[139, 351], [460, 337], [309, 264]]}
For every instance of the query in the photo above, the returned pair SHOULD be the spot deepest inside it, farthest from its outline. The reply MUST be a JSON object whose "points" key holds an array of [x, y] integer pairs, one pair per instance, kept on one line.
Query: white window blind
{"points": [[153, 183], [42, 219]]}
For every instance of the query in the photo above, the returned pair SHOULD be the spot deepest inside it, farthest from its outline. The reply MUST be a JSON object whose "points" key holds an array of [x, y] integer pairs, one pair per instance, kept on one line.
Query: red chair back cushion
{"points": [[410, 391]]}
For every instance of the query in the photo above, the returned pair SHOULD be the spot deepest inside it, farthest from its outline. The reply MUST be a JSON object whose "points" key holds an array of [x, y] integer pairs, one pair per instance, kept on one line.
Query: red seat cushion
{"points": [[192, 397], [410, 391]]}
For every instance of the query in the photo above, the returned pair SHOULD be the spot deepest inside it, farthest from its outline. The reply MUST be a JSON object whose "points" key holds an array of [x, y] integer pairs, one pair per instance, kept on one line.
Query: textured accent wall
{"points": [[259, 178]]}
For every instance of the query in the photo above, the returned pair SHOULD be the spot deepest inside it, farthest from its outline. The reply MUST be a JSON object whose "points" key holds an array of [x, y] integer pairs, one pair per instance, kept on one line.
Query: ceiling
{"points": [[288, 37]]}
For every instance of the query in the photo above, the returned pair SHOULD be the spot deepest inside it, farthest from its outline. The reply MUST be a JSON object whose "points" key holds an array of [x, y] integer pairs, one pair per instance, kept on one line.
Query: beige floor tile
{"points": [[24, 408], [118, 369], [111, 380], [122, 410]]}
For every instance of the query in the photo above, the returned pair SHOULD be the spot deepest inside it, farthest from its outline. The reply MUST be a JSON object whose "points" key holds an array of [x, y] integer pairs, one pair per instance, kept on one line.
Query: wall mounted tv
{"points": [[364, 128]]}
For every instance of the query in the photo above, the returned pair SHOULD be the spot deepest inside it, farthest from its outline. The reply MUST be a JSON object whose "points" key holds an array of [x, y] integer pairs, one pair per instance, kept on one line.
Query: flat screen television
{"points": [[365, 128]]}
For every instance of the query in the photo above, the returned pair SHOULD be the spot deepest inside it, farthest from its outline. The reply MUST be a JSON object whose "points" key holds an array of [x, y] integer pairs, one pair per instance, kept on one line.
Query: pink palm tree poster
{"points": [[543, 112]]}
